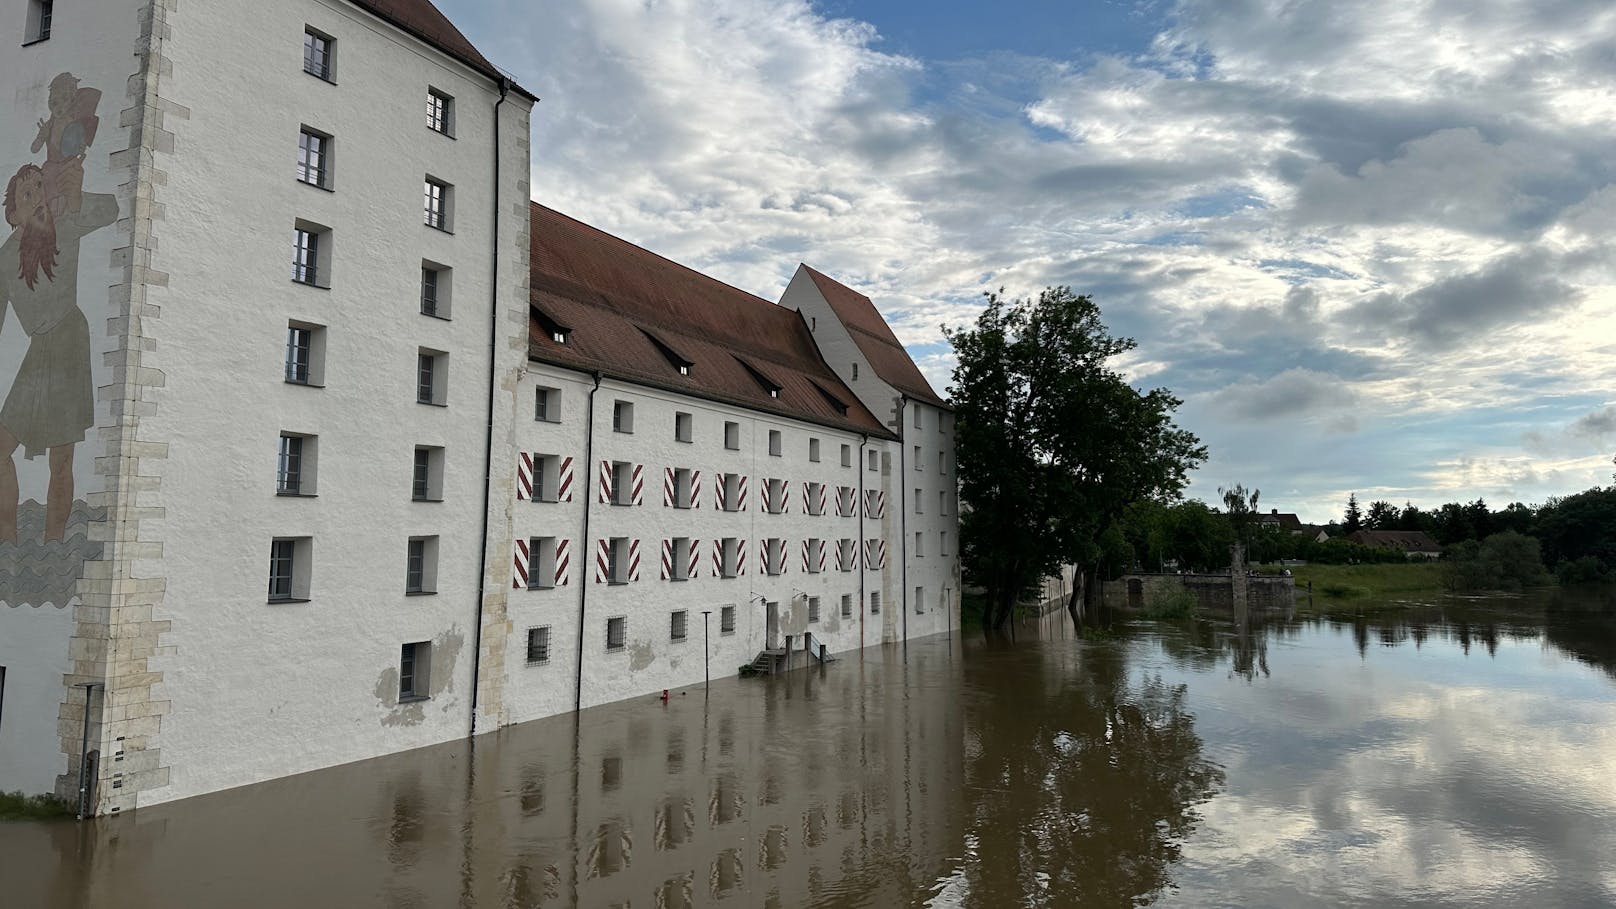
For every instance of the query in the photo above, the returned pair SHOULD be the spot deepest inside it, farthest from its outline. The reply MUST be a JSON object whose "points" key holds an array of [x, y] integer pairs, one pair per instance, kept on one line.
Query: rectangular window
{"points": [[421, 566], [680, 569], [875, 603], [622, 483], [845, 554], [622, 416], [414, 666], [847, 456], [886, 463], [616, 633], [873, 461], [942, 501], [438, 196], [816, 548], [855, 372], [541, 563], [917, 458], [439, 112], [314, 158], [678, 624], [282, 563], [813, 609], [683, 427], [815, 493], [774, 496], [919, 552], [918, 420], [538, 645], [40, 13], [294, 468], [305, 353], [847, 605], [436, 281], [813, 450], [918, 509], [726, 620], [774, 555], [774, 443], [319, 54], [942, 542], [426, 475], [920, 600], [311, 255], [682, 486], [432, 377], [942, 462], [547, 405], [732, 436], [731, 557], [290, 559], [617, 567], [731, 484]]}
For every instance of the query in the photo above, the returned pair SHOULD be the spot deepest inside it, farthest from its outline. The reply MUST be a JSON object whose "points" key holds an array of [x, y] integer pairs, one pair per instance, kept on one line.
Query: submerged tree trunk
{"points": [[1074, 605]]}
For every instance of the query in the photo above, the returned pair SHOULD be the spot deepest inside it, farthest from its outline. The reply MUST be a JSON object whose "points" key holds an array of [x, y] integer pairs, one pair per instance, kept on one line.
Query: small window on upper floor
{"points": [[813, 450], [847, 456], [39, 21], [547, 404], [436, 283], [918, 465], [774, 443], [918, 419], [683, 427], [440, 112], [438, 204], [769, 386], [855, 372], [622, 416], [305, 354], [732, 435], [432, 377], [311, 254], [319, 55], [554, 330], [873, 460], [314, 150]]}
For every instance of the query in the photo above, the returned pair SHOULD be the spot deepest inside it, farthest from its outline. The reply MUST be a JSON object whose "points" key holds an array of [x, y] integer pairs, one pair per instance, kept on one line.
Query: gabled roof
{"points": [[423, 20], [875, 339], [1284, 520], [1406, 540], [622, 305]]}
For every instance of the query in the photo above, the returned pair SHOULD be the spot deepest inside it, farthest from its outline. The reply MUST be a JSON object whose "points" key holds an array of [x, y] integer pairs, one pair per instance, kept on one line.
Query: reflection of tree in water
{"points": [[1085, 800], [1583, 624]]}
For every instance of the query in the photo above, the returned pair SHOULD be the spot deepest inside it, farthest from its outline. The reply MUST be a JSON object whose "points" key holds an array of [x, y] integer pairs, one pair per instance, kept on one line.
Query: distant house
{"points": [[1416, 544], [1318, 533], [1289, 523]]}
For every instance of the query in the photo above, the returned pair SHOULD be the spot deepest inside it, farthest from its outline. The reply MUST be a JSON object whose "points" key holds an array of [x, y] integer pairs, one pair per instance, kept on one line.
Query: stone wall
{"points": [[1212, 591]]}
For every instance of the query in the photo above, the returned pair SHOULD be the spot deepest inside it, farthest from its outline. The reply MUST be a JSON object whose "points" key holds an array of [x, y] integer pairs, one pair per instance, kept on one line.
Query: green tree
{"points": [[1052, 443], [1382, 515], [1354, 518], [1241, 507]]}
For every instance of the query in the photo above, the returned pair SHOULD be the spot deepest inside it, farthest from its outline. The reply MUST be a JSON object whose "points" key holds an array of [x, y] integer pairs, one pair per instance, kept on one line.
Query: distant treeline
{"points": [[1574, 535]]}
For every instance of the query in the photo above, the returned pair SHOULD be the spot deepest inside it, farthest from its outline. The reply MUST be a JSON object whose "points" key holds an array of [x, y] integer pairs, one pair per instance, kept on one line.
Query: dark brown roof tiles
{"points": [[619, 301]]}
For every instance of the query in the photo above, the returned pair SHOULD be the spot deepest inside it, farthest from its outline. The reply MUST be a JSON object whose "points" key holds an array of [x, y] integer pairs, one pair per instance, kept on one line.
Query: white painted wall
{"points": [[261, 690], [652, 661], [91, 40]]}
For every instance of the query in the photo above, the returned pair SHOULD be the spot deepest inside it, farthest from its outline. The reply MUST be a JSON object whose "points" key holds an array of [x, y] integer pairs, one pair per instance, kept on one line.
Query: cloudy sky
{"points": [[1365, 242]]}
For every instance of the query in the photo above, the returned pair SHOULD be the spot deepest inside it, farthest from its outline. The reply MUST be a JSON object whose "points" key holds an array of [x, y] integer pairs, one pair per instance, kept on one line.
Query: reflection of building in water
{"points": [[445, 462], [781, 793]]}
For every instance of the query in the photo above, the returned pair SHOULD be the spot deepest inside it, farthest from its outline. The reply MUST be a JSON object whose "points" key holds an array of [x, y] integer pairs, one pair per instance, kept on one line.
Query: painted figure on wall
{"points": [[51, 403]]}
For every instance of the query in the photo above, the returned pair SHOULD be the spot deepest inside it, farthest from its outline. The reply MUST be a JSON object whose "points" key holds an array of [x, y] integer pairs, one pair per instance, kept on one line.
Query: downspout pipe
{"points": [[903, 514], [863, 563], [584, 555], [488, 429]]}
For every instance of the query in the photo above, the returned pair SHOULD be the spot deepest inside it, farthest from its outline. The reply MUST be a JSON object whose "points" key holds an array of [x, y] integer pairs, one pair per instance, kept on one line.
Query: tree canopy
{"points": [[1052, 442]]}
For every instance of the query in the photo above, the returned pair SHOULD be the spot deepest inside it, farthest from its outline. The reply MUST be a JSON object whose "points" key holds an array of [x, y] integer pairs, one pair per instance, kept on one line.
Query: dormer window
{"points": [[675, 359], [555, 330], [769, 386], [836, 404]]}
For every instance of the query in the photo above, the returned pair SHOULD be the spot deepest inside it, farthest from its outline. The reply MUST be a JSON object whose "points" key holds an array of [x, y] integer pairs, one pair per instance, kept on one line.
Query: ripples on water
{"points": [[1460, 754]]}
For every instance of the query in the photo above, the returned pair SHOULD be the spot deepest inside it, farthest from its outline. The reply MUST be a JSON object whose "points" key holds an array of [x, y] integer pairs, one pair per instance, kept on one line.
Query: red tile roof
{"points": [[423, 20], [875, 339], [631, 314]]}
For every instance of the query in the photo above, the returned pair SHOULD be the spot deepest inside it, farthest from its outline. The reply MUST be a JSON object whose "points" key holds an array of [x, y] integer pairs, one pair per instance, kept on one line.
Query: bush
{"points": [[1174, 604], [14, 806], [1586, 570], [1503, 561]]}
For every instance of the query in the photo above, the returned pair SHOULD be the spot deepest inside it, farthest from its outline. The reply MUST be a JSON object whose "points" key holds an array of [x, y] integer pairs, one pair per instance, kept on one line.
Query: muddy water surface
{"points": [[1460, 753]]}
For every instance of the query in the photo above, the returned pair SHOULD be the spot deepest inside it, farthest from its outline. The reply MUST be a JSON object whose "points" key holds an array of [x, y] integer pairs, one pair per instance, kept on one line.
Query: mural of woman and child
{"points": [[50, 405]]}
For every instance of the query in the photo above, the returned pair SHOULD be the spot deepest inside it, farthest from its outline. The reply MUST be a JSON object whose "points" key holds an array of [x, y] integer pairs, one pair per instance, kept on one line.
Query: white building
{"points": [[276, 498]]}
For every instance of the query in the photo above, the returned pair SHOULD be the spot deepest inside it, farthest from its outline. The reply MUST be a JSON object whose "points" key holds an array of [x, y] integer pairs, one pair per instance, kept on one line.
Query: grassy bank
{"points": [[14, 806], [1373, 581]]}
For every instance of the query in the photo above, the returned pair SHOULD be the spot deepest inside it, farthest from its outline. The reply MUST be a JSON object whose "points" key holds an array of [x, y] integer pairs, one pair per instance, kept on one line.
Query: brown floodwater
{"points": [[1458, 753]]}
